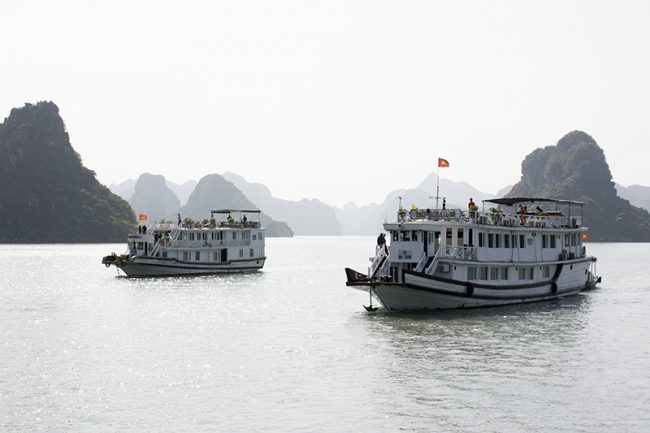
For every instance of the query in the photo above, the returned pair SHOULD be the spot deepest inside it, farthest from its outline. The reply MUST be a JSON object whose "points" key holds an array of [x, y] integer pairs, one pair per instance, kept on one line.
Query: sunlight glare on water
{"points": [[290, 348]]}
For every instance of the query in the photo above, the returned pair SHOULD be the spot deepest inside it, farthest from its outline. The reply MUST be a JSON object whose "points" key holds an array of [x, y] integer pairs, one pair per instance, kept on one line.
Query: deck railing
{"points": [[541, 220]]}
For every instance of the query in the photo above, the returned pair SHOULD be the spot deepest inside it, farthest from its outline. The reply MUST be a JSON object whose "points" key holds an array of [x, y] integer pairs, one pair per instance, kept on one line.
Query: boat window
{"points": [[404, 235], [497, 240], [483, 273], [471, 238], [254, 237], [430, 237], [574, 239], [530, 240], [504, 272], [521, 273], [552, 239], [494, 273], [544, 241], [252, 252], [197, 256], [191, 236], [522, 241], [215, 256], [471, 273], [245, 235], [414, 236], [461, 240], [566, 240], [260, 236], [531, 273], [481, 241], [490, 240], [234, 235], [164, 253], [506, 241], [185, 255], [241, 253], [546, 271]]}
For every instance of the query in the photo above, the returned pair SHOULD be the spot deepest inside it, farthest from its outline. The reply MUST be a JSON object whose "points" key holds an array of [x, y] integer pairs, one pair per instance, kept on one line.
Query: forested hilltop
{"points": [[576, 169], [46, 194]]}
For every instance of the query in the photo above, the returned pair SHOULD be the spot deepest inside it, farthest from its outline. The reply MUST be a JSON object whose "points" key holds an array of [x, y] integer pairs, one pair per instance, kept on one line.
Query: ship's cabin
{"points": [[511, 230], [228, 234]]}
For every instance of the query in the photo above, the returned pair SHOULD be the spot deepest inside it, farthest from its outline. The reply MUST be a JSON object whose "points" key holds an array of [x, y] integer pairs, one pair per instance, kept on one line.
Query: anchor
{"points": [[370, 308]]}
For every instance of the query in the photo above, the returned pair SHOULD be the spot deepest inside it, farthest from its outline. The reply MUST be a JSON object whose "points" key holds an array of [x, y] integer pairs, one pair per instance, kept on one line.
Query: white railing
{"points": [[210, 243], [528, 220], [430, 270], [422, 262], [463, 253], [380, 253]]}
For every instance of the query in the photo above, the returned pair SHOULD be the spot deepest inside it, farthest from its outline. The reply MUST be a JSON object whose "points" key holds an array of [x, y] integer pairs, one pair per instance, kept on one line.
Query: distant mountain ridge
{"points": [[305, 217], [576, 169], [46, 194], [369, 219], [215, 192], [154, 198], [638, 195]]}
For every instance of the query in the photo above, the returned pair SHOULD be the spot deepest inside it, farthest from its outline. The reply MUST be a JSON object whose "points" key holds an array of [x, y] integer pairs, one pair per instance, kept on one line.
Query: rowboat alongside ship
{"points": [[215, 246], [450, 258]]}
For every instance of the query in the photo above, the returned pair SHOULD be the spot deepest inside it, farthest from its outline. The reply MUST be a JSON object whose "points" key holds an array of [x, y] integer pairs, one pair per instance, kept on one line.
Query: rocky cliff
{"points": [[215, 192], [154, 198], [576, 169], [46, 194]]}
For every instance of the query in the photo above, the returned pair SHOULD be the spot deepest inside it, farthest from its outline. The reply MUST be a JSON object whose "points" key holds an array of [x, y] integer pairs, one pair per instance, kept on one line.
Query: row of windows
{"points": [[216, 256], [501, 272], [496, 240], [218, 236], [491, 240]]}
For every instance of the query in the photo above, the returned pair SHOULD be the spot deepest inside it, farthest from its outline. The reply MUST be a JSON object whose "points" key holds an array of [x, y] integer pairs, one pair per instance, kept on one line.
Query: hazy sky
{"points": [[339, 100]]}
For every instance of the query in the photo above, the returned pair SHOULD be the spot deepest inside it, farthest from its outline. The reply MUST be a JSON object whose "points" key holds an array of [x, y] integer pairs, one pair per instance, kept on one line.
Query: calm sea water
{"points": [[291, 349]]}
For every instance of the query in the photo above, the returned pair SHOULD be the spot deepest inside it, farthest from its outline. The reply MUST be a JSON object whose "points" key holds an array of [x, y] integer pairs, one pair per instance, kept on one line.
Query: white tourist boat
{"points": [[221, 244], [445, 259]]}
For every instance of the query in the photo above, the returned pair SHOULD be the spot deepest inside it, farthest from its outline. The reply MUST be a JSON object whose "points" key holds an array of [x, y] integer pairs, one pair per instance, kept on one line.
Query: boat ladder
{"points": [[432, 264], [422, 263], [174, 236], [378, 262]]}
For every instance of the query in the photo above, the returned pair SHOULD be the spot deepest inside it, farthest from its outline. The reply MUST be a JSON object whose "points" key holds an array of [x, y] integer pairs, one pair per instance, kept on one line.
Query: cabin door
{"points": [[224, 255], [426, 238]]}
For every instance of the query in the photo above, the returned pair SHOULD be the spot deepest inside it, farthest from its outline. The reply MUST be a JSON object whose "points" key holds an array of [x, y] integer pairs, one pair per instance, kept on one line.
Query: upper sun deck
{"points": [[239, 222], [508, 212]]}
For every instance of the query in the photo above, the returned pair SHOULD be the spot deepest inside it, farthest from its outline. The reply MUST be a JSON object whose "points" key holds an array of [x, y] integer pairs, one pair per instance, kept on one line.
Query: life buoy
{"points": [[108, 265]]}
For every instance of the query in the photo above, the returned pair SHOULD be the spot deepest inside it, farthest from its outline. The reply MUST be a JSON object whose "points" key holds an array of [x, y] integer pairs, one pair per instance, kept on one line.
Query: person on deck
{"points": [[471, 206], [522, 215], [381, 241]]}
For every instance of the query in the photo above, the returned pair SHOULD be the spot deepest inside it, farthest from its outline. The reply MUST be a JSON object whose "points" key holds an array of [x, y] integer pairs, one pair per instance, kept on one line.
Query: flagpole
{"points": [[438, 185]]}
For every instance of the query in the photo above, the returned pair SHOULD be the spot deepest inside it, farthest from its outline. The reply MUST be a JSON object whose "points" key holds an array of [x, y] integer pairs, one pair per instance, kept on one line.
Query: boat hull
{"points": [[419, 291], [161, 267], [401, 297]]}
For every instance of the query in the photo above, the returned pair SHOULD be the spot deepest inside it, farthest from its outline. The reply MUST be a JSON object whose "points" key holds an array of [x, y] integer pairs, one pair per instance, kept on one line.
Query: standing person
{"points": [[471, 206], [522, 215], [179, 220], [381, 241]]}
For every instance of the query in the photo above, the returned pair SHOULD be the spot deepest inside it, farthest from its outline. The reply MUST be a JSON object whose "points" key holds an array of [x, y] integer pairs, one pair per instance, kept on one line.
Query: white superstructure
{"points": [[217, 245], [440, 259]]}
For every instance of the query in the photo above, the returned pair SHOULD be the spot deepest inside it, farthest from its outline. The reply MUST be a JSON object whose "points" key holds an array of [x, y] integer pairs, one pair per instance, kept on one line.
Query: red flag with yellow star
{"points": [[443, 162]]}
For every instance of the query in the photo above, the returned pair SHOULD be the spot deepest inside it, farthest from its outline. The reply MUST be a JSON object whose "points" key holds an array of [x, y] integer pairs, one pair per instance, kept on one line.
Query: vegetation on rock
{"points": [[576, 169], [46, 194]]}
